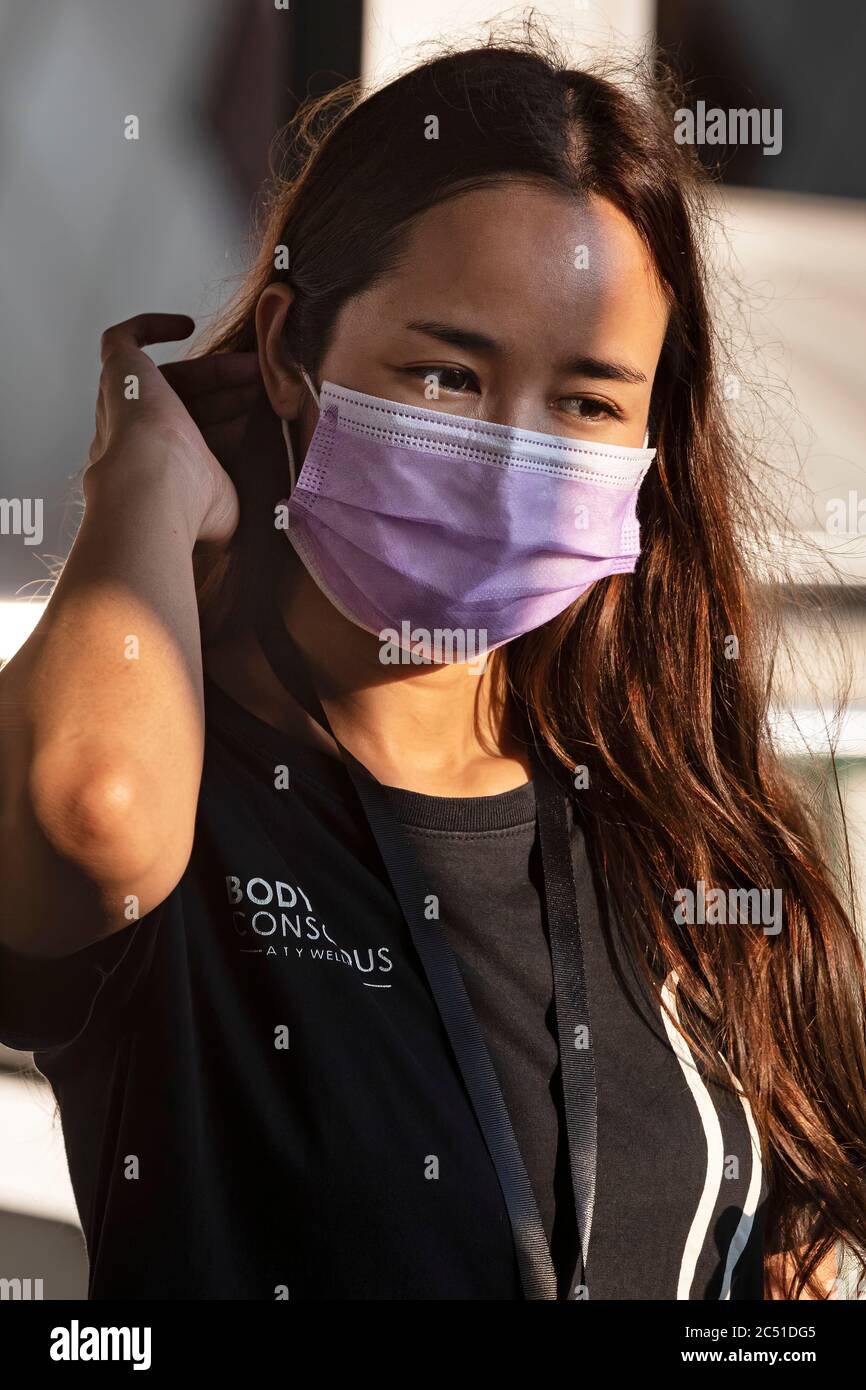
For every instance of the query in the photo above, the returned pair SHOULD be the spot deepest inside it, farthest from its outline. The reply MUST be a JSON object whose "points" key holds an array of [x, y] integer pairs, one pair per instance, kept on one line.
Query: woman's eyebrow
{"points": [[597, 367], [457, 337], [602, 369]]}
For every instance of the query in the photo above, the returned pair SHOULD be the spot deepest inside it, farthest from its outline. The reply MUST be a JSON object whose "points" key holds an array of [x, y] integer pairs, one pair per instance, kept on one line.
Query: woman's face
{"points": [[523, 306]]}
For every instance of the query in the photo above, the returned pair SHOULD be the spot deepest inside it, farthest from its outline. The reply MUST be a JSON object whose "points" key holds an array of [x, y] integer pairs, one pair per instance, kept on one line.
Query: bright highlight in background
{"points": [[18, 617]]}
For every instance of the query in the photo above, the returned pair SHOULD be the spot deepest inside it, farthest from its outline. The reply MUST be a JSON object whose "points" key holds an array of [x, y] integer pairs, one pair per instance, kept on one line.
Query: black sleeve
{"points": [[47, 1003]]}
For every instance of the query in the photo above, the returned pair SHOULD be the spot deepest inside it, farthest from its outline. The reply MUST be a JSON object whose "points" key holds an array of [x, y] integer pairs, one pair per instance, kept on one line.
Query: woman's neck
{"points": [[438, 729]]}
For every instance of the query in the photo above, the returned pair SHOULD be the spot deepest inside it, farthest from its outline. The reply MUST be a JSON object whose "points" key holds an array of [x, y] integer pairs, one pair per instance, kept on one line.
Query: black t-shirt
{"points": [[479, 855], [259, 1098]]}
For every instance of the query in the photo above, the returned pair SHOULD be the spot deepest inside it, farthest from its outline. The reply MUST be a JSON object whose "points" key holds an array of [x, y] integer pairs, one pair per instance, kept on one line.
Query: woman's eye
{"points": [[585, 408], [448, 378]]}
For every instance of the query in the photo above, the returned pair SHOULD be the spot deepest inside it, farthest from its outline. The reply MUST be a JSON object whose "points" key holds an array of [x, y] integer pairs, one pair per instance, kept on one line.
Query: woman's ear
{"points": [[285, 388]]}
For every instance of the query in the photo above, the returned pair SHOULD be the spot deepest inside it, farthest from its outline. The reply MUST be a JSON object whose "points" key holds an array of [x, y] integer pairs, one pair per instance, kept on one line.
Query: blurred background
{"points": [[95, 227]]}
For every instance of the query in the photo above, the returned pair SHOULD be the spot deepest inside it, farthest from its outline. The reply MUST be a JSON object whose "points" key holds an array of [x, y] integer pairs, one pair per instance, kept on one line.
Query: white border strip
{"points": [[715, 1145], [747, 1217]]}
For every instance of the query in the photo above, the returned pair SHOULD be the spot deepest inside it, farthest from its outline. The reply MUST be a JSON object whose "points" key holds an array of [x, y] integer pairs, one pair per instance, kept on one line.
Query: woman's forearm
{"points": [[102, 726]]}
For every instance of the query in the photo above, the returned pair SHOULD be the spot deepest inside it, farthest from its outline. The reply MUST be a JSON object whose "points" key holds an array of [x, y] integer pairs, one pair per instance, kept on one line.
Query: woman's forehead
{"points": [[522, 261]]}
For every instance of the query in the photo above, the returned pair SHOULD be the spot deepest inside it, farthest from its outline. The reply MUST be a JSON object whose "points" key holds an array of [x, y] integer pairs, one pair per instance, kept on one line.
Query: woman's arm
{"points": [[101, 727]]}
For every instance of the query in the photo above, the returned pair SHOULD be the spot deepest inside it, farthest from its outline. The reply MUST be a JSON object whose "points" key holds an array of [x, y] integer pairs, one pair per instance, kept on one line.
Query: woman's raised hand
{"points": [[184, 416]]}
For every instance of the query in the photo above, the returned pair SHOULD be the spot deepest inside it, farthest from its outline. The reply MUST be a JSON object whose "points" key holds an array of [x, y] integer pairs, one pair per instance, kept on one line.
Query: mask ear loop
{"points": [[313, 392], [284, 425]]}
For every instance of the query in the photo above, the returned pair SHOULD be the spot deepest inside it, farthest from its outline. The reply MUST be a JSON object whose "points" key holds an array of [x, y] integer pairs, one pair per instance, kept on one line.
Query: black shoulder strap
{"points": [[572, 1002], [446, 983]]}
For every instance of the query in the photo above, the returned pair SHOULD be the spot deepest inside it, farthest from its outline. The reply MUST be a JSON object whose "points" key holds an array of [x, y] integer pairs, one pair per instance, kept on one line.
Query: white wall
{"points": [[394, 28]]}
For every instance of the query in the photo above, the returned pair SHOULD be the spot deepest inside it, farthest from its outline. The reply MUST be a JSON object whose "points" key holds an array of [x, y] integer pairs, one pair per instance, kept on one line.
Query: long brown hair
{"points": [[657, 683]]}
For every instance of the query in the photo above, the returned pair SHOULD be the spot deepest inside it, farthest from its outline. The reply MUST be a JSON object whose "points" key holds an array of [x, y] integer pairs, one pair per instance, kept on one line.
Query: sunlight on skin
{"points": [[779, 1268]]}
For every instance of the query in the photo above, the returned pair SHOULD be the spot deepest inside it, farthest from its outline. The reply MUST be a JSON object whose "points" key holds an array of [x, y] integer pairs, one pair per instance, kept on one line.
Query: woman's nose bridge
{"points": [[515, 385], [521, 405]]}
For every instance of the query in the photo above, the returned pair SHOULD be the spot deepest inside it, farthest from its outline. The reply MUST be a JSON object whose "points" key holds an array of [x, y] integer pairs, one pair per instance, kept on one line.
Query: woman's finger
{"points": [[137, 332]]}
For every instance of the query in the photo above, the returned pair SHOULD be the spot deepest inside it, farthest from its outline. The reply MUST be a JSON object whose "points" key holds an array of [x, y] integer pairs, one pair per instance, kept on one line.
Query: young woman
{"points": [[399, 710]]}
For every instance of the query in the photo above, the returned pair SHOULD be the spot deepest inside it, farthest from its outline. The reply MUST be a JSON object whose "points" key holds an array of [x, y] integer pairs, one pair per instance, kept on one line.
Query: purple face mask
{"points": [[447, 536]]}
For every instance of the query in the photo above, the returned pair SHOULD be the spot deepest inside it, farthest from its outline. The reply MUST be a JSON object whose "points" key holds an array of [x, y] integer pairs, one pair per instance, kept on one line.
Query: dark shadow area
{"points": [[784, 54]]}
